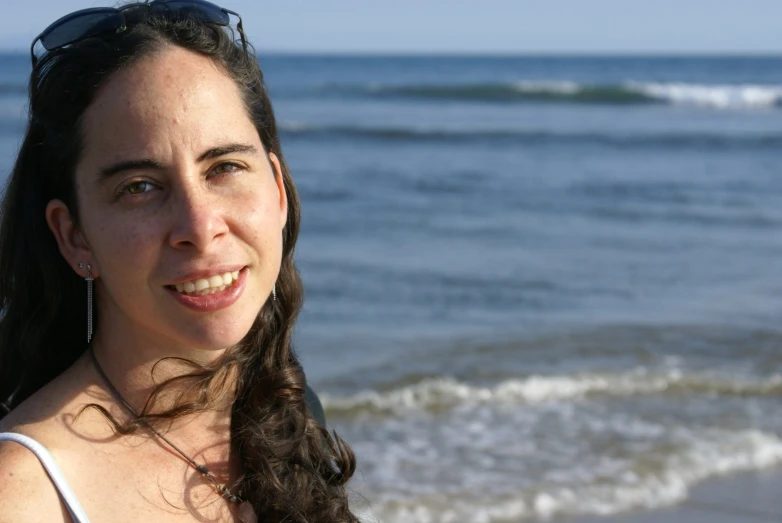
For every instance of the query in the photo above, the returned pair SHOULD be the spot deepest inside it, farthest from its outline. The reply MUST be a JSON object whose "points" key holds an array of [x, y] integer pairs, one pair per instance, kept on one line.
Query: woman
{"points": [[151, 170]]}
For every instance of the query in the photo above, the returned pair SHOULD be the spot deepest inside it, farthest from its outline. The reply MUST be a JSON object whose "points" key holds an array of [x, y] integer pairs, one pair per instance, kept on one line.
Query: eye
{"points": [[226, 168], [137, 187]]}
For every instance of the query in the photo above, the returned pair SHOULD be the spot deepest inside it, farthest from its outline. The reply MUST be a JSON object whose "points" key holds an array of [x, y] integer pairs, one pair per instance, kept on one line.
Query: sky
{"points": [[471, 26]]}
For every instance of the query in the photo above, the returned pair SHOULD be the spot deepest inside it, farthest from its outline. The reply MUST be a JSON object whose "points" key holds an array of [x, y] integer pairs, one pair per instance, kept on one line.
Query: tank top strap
{"points": [[55, 474]]}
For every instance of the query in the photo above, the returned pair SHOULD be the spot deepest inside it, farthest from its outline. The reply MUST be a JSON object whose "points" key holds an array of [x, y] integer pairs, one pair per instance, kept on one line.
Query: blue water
{"points": [[534, 286]]}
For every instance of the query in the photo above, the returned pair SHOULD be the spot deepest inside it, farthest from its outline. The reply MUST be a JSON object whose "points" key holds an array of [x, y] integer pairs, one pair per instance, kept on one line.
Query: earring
{"points": [[274, 292], [89, 280]]}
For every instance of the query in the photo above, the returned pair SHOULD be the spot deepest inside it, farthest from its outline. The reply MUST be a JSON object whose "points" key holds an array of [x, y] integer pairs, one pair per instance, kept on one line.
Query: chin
{"points": [[223, 340], [212, 336]]}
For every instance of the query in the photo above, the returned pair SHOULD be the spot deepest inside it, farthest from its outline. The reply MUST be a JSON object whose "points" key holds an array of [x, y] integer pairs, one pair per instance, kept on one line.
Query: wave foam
{"points": [[711, 453], [721, 96], [444, 392], [717, 96]]}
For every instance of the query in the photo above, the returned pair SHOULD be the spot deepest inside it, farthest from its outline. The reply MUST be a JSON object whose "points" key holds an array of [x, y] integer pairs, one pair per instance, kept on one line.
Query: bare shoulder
{"points": [[26, 492]]}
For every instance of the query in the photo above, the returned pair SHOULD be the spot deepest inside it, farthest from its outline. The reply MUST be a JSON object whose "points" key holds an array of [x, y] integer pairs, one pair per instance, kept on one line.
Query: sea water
{"points": [[535, 286]]}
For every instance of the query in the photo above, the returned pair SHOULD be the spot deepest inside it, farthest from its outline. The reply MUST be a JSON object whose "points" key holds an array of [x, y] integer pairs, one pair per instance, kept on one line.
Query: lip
{"points": [[212, 302]]}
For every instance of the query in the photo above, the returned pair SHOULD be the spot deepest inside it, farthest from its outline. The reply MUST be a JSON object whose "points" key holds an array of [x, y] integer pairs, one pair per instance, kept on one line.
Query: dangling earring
{"points": [[274, 292], [89, 281]]}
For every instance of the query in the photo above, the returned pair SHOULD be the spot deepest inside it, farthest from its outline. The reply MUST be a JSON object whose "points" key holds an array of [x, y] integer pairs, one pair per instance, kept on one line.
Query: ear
{"points": [[280, 188], [70, 240]]}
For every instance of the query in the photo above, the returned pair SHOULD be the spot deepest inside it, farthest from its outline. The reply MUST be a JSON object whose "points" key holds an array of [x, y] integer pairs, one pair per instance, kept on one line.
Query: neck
{"points": [[127, 366], [135, 367]]}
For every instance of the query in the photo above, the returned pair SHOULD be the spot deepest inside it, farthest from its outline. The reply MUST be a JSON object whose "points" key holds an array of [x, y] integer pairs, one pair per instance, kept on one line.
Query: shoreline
{"points": [[746, 497]]}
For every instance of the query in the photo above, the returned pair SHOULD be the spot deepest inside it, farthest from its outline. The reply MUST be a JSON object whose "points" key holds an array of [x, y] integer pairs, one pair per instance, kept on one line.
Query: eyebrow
{"points": [[135, 165], [217, 152], [129, 165]]}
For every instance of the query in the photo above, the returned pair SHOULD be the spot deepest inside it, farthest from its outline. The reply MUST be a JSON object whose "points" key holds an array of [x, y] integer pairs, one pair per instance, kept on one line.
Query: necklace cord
{"points": [[222, 489]]}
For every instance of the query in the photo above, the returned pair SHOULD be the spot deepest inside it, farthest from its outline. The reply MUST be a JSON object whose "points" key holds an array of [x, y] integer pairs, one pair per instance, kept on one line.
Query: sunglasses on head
{"points": [[100, 20]]}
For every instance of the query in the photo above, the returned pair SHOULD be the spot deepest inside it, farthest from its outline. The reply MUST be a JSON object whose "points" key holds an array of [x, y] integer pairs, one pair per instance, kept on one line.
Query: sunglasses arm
{"points": [[239, 27], [34, 58]]}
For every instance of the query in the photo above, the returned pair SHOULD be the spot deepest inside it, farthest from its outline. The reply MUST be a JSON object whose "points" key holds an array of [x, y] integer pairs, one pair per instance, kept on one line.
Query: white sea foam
{"points": [[707, 453], [448, 392], [721, 96], [523, 449], [710, 453], [716, 96]]}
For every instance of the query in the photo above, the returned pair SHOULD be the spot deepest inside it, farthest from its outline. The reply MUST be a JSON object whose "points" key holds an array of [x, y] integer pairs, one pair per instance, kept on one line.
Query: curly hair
{"points": [[293, 469]]}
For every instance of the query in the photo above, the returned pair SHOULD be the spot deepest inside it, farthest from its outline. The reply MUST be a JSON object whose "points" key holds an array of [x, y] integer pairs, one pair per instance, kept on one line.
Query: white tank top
{"points": [[47, 460]]}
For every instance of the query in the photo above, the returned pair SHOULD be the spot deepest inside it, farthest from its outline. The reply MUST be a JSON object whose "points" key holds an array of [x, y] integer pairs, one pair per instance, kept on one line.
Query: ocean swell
{"points": [[720, 96], [696, 140]]}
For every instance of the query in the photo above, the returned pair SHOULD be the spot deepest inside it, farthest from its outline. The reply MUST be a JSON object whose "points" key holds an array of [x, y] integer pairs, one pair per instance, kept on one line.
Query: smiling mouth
{"points": [[207, 286]]}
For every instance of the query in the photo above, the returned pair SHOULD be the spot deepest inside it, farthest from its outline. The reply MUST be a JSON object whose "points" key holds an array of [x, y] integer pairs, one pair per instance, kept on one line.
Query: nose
{"points": [[198, 219]]}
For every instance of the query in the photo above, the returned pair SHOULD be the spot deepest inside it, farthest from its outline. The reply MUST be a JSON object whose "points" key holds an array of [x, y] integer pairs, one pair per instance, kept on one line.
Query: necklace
{"points": [[246, 512]]}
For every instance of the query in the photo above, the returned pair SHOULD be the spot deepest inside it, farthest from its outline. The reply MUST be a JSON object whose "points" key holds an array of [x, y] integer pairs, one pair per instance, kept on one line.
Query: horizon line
{"points": [[496, 53]]}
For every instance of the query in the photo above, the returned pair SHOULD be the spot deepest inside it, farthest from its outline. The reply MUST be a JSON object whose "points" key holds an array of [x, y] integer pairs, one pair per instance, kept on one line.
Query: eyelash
{"points": [[123, 190], [236, 167]]}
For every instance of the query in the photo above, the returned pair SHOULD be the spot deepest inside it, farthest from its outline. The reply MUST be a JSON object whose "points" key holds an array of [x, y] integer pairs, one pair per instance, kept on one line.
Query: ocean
{"points": [[536, 287]]}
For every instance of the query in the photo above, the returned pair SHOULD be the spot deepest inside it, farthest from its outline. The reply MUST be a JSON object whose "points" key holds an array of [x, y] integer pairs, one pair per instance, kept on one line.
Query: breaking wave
{"points": [[739, 96], [443, 392]]}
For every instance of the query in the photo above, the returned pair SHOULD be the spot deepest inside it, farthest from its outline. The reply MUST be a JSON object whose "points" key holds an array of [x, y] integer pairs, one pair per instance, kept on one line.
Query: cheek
{"points": [[123, 245], [259, 226], [260, 231], [261, 210], [126, 253]]}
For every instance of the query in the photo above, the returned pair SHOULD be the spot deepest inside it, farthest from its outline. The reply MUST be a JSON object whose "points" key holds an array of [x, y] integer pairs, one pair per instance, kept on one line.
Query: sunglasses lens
{"points": [[78, 27], [197, 9]]}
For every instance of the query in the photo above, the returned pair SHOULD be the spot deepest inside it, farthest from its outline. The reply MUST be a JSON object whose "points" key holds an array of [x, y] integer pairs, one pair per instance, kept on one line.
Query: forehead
{"points": [[172, 98]]}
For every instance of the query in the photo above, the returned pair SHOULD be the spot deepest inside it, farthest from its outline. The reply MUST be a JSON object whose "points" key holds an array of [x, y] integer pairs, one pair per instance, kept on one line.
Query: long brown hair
{"points": [[293, 470]]}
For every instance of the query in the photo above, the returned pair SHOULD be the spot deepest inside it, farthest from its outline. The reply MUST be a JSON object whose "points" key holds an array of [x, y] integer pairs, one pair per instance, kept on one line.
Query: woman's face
{"points": [[175, 192]]}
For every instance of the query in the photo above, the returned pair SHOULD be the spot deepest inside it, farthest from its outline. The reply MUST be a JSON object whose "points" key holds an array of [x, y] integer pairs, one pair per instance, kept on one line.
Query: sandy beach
{"points": [[741, 498]]}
